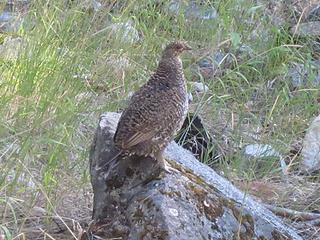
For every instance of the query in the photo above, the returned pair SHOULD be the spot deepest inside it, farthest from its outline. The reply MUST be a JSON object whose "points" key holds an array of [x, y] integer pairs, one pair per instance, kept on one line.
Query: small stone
{"points": [[11, 15], [83, 76], [314, 14], [5, 16], [308, 29], [205, 63], [300, 75], [22, 180], [190, 97], [193, 10], [209, 66], [206, 68], [260, 150], [246, 50], [204, 12], [125, 32], [90, 5], [10, 48], [96, 5], [311, 148], [199, 87], [37, 212], [259, 157], [297, 75]]}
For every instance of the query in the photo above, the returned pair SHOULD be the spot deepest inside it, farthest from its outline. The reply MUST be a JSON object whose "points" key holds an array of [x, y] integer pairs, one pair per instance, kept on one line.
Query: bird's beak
{"points": [[187, 47]]}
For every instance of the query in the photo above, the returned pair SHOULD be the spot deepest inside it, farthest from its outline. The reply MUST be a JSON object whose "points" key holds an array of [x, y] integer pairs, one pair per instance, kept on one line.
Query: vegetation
{"points": [[68, 73]]}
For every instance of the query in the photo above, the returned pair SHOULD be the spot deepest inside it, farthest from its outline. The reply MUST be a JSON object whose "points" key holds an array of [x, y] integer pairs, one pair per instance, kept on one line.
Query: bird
{"points": [[156, 111]]}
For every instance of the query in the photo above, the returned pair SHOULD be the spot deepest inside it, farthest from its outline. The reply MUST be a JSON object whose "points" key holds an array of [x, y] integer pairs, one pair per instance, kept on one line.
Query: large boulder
{"points": [[132, 201]]}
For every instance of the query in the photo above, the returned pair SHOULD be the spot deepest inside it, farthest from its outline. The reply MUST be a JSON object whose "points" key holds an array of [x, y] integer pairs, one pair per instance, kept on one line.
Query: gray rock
{"points": [[190, 97], [307, 29], [260, 151], [258, 158], [193, 10], [199, 87], [96, 5], [193, 202], [311, 148], [124, 31], [11, 47], [6, 16], [212, 65], [315, 48], [245, 51], [12, 15], [90, 5], [297, 75], [300, 75], [314, 14], [21, 180], [12, 25], [204, 68]]}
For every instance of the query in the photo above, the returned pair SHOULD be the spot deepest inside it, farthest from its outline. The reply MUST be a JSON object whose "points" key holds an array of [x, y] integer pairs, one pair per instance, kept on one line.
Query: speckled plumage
{"points": [[157, 110]]}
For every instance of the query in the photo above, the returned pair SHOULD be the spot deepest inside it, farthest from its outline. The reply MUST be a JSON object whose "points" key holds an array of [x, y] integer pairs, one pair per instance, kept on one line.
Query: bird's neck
{"points": [[170, 70]]}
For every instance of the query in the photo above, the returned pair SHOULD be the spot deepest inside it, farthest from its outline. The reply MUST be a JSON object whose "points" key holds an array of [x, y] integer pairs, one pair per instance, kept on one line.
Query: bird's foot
{"points": [[168, 169]]}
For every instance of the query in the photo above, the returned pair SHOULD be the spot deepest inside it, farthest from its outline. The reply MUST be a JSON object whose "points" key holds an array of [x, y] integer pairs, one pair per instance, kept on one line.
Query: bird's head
{"points": [[174, 49]]}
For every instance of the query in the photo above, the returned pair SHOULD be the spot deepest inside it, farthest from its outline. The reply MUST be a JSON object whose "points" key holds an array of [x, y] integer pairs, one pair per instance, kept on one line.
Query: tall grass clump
{"points": [[39, 103]]}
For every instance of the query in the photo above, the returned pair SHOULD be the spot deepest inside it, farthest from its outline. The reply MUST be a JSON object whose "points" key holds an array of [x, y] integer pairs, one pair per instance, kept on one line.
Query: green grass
{"points": [[49, 109]]}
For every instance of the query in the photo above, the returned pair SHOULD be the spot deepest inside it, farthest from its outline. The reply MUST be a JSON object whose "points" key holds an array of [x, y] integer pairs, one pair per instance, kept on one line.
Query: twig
{"points": [[299, 21], [293, 214]]}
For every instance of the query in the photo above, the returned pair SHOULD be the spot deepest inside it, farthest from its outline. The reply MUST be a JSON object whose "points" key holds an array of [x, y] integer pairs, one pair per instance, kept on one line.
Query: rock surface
{"points": [[301, 75], [314, 14], [193, 10], [192, 202], [125, 32], [259, 156], [199, 87], [212, 65], [10, 48], [12, 15], [311, 148], [307, 29], [260, 150]]}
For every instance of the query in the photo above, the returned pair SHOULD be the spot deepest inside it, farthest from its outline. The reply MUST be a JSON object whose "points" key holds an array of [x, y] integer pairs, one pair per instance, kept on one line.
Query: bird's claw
{"points": [[168, 169]]}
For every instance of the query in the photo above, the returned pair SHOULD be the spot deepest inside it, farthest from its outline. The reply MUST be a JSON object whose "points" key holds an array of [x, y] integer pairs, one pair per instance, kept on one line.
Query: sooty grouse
{"points": [[157, 110]]}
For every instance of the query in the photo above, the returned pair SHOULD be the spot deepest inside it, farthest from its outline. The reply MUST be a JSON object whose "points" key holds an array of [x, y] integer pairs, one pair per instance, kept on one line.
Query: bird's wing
{"points": [[138, 124], [137, 138]]}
